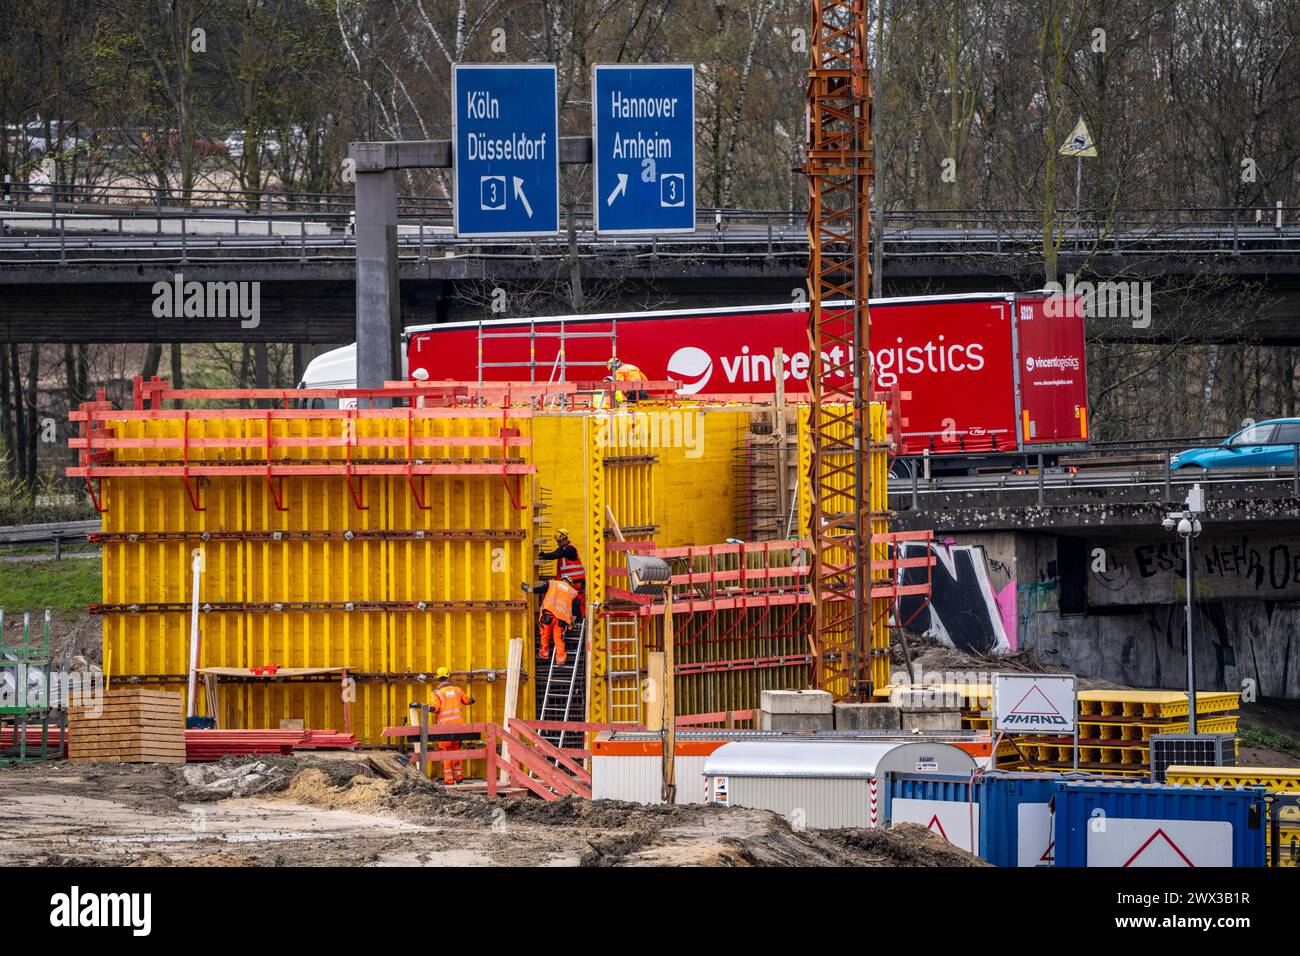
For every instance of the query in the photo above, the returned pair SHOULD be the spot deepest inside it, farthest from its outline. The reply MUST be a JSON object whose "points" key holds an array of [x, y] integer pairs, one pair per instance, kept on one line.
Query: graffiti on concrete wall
{"points": [[972, 605], [1225, 568], [1145, 646]]}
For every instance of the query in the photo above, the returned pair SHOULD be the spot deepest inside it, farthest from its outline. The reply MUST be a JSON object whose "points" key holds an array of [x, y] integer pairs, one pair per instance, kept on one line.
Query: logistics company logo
{"points": [[888, 364], [1052, 361], [1034, 709], [693, 366], [76, 909]]}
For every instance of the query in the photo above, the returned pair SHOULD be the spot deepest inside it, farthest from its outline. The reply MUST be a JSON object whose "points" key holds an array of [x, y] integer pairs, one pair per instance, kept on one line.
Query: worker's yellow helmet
{"points": [[561, 534], [613, 363], [442, 673]]}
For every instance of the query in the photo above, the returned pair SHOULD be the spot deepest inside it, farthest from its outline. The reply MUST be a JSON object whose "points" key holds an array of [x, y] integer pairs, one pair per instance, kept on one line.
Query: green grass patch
{"points": [[70, 585], [1269, 739]]}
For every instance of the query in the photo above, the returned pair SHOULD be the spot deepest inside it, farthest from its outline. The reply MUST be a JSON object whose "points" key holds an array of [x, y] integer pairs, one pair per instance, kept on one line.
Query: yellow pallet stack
{"points": [[1284, 780]]}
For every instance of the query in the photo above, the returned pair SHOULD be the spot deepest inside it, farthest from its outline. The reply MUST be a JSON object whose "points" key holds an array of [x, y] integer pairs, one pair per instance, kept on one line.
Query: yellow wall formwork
{"points": [[666, 471], [879, 482], [462, 557]]}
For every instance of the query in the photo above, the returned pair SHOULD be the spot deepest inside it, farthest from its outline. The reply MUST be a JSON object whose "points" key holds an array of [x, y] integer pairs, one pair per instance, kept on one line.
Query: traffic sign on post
{"points": [[643, 148], [506, 148]]}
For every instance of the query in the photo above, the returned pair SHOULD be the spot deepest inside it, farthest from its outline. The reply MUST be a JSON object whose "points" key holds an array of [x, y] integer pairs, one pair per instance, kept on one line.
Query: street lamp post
{"points": [[1188, 525]]}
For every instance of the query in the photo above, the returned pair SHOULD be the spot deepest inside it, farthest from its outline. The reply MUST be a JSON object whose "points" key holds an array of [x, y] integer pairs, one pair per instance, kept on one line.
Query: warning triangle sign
{"points": [[1080, 142], [1035, 702], [1153, 853], [934, 826]]}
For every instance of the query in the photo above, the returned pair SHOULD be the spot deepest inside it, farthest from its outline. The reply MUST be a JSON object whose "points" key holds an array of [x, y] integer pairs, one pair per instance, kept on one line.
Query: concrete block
{"points": [[796, 702], [931, 719], [867, 717], [796, 723]]}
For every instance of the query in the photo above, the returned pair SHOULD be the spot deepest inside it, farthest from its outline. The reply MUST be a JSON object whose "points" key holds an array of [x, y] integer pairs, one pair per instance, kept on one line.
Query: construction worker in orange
{"points": [[558, 607], [627, 372], [448, 699]]}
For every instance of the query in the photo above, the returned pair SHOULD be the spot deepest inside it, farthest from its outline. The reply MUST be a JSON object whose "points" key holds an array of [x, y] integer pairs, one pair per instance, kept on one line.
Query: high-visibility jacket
{"points": [[559, 600], [447, 701], [628, 373], [572, 569]]}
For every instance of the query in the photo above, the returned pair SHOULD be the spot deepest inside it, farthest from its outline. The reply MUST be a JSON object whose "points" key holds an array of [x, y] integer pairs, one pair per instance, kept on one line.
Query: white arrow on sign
{"points": [[618, 190], [519, 194]]}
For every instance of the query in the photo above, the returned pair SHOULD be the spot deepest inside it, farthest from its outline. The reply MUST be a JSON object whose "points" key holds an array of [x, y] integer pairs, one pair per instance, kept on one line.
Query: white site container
{"points": [[821, 784]]}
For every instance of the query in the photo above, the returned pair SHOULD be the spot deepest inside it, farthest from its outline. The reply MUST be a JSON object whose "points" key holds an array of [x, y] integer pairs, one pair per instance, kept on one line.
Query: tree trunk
{"points": [[178, 369], [7, 414], [33, 421], [19, 449], [152, 358]]}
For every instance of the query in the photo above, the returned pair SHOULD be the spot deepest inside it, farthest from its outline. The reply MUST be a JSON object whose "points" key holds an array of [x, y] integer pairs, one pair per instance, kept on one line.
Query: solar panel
{"points": [[1194, 750]]}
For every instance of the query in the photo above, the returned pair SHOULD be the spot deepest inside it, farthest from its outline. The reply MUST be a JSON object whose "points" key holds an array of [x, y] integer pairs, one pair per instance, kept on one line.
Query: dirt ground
{"points": [[326, 811]]}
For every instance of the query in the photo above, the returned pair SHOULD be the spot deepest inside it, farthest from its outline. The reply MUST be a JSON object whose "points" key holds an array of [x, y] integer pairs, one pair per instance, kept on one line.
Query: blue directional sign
{"points": [[643, 140], [505, 133]]}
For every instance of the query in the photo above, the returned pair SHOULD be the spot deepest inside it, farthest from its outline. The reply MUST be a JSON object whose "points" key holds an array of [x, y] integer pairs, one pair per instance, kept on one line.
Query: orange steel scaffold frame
{"points": [[840, 168], [765, 576]]}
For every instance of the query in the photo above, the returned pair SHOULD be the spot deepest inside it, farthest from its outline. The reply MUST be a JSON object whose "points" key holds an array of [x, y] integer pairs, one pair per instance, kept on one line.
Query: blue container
{"points": [[1016, 827], [951, 794], [1116, 824]]}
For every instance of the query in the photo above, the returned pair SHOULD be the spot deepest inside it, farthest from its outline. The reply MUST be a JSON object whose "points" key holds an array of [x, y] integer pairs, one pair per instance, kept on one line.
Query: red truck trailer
{"points": [[980, 373]]}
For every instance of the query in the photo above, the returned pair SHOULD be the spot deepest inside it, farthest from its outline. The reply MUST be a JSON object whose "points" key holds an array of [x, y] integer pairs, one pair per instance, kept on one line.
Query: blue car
{"points": [[1267, 444]]}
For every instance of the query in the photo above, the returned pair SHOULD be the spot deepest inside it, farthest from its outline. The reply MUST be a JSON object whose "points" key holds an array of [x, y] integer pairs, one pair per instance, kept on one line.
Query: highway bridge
{"points": [[79, 264]]}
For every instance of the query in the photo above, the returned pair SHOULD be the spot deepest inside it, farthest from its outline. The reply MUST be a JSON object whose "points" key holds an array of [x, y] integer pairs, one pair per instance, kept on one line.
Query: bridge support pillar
{"points": [[379, 315]]}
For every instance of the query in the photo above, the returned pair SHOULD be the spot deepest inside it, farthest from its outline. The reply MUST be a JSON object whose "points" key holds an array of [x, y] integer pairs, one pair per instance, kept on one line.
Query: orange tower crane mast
{"points": [[840, 168]]}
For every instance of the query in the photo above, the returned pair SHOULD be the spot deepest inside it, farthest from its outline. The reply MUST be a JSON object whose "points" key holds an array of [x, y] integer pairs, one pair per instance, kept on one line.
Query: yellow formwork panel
{"points": [[878, 477], [667, 472], [384, 647]]}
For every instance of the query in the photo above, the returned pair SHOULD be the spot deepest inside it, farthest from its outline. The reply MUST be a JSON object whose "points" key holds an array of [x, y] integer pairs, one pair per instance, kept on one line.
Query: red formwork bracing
{"points": [[755, 595]]}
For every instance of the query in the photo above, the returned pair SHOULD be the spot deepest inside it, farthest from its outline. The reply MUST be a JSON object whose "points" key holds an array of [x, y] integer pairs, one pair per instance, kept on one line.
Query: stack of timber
{"points": [[131, 726], [201, 745]]}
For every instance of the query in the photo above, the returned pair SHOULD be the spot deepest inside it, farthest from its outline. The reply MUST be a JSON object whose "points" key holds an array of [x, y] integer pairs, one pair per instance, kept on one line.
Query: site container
{"points": [[1129, 825], [1017, 364], [942, 803], [1018, 828], [822, 784], [1012, 812], [628, 765]]}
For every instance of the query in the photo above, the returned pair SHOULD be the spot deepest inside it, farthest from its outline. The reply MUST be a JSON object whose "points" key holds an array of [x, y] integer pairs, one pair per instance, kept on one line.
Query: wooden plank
{"points": [[655, 705], [99, 739], [514, 663]]}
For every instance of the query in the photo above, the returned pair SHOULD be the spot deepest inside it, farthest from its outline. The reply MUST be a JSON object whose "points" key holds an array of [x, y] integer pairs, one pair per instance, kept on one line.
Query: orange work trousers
{"points": [[453, 771], [554, 630]]}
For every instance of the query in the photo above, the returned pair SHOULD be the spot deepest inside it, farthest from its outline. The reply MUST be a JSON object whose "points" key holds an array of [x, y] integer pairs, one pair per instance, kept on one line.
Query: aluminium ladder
{"points": [[561, 699], [623, 653]]}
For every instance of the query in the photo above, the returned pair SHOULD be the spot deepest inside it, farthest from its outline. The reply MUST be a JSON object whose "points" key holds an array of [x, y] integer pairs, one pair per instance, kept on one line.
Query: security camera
{"points": [[1168, 524]]}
